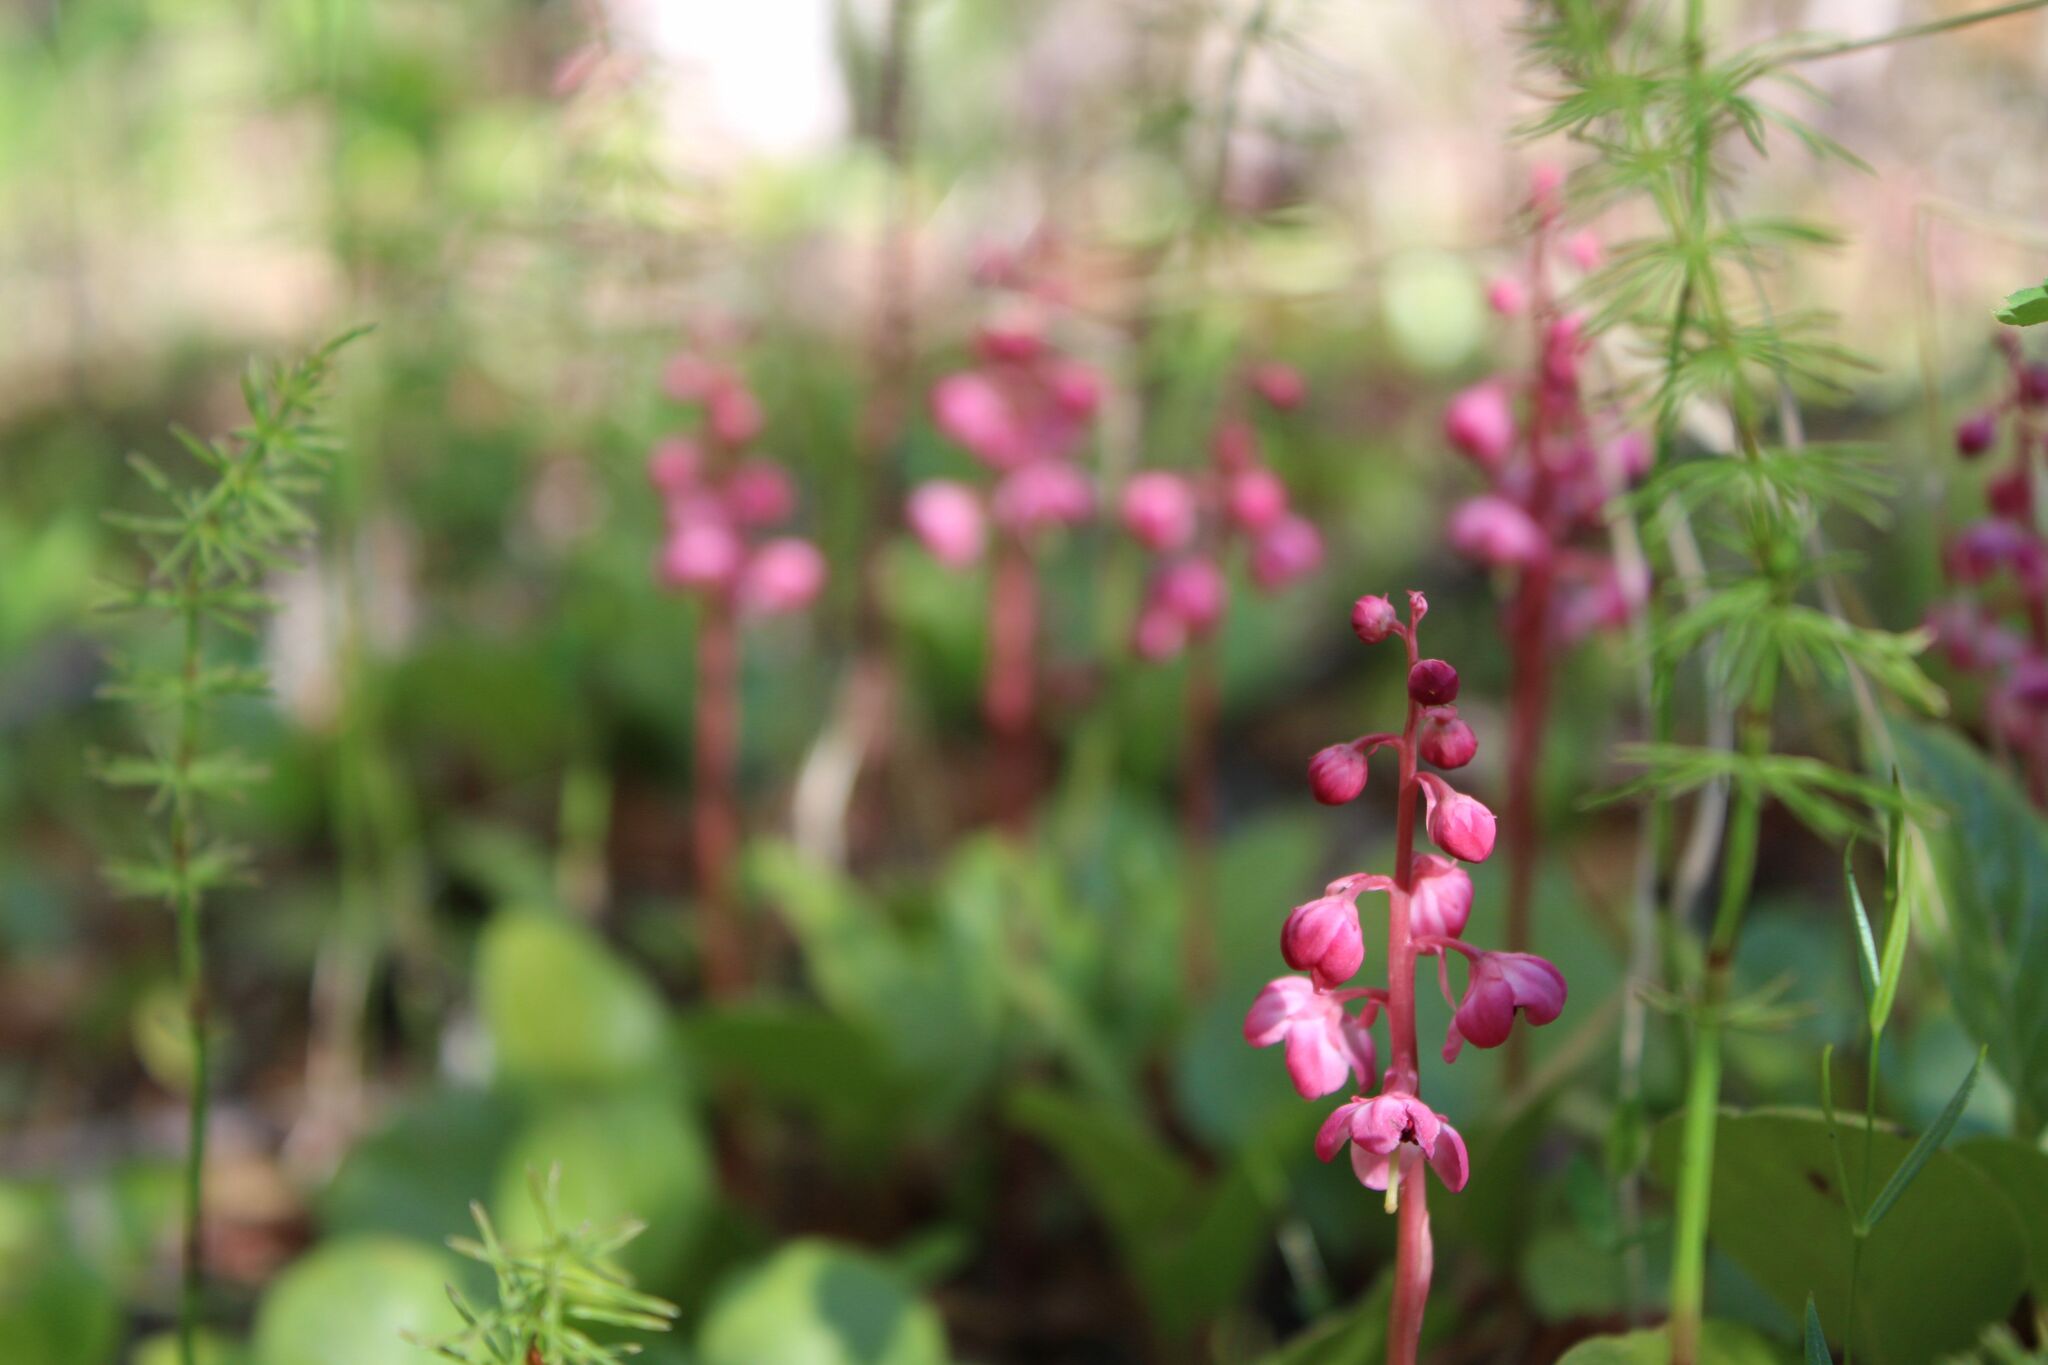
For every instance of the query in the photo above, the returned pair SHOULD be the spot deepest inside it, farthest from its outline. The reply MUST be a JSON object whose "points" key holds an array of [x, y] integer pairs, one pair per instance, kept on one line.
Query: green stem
{"points": [[1860, 1233], [1900, 35], [192, 982]]}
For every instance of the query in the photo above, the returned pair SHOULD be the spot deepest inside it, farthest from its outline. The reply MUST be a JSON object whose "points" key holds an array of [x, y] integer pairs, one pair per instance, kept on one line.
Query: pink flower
{"points": [[1288, 549], [1506, 296], [1235, 444], [971, 409], [1457, 823], [1373, 619], [1562, 346], [1325, 1042], [947, 517], [1446, 740], [1016, 339], [672, 465], [1495, 532], [1255, 498], [732, 414], [1976, 434], [1280, 385], [1501, 984], [690, 378], [759, 493], [1159, 510], [783, 575], [1585, 249], [1480, 422], [1377, 1127], [1076, 388], [1322, 938], [1159, 634], [1337, 774], [1193, 590], [1041, 494], [1441, 900], [1432, 682], [701, 552], [1629, 455], [2011, 495]]}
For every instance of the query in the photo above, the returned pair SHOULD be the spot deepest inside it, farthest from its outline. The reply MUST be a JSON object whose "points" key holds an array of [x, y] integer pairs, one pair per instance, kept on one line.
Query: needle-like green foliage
{"points": [[548, 1292]]}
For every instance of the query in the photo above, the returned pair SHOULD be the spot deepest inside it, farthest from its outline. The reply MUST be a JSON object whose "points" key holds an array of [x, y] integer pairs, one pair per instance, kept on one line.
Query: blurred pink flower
{"points": [[1290, 548], [1042, 494], [1159, 510], [673, 465], [701, 552], [732, 414], [1495, 532], [1481, 422], [947, 517], [783, 575], [1193, 590], [971, 409], [760, 493], [1255, 498], [1279, 384], [1506, 296]]}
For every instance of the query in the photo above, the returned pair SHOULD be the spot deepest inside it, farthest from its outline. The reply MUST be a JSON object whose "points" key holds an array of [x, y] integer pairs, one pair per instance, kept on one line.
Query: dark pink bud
{"points": [[1457, 823], [1373, 618], [1432, 682], [1441, 901], [1495, 532], [1280, 385], [1194, 591], [2011, 496], [1159, 510], [1289, 548], [947, 517], [672, 465], [1445, 740], [1506, 296], [782, 576], [1326, 1044], [1322, 938], [760, 493], [1976, 434], [1501, 985], [1235, 444], [1480, 422], [1337, 774], [1256, 498]]}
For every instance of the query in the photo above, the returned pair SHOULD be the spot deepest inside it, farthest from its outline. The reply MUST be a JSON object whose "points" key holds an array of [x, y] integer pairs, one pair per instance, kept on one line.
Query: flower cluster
{"points": [[1551, 466], [1189, 521], [1024, 410], [720, 500], [1325, 1022], [1997, 568]]}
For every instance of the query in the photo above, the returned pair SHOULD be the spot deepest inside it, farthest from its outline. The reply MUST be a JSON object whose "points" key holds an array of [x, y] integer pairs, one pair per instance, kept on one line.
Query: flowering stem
{"points": [[1412, 1253], [714, 814], [1010, 690]]}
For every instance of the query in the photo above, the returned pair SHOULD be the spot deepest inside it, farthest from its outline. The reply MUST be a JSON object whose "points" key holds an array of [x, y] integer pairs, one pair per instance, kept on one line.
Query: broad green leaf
{"points": [[1924, 1149], [562, 1008], [2020, 1171], [56, 1310], [415, 1176], [354, 1300], [1949, 1258], [2025, 307], [1988, 927], [1815, 1339], [830, 1069], [813, 1303], [1721, 1343]]}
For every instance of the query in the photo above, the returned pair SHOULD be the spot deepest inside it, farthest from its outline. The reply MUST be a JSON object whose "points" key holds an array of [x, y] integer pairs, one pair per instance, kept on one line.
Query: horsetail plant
{"points": [[548, 1293], [1658, 115], [206, 548]]}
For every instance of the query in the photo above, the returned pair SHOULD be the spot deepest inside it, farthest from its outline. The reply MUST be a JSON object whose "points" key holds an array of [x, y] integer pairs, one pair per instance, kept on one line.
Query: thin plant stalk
{"points": [[193, 986], [714, 817], [1010, 689], [1414, 1253]]}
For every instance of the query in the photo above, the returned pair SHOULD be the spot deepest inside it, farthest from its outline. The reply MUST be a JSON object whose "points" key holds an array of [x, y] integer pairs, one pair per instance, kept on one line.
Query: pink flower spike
{"points": [[1493, 531], [760, 493], [672, 465], [1322, 938], [1159, 510], [1377, 1128], [733, 415], [1445, 740], [1501, 984], [1337, 774], [1281, 385], [947, 517], [1194, 591], [1441, 901], [1458, 824], [1506, 296], [1373, 619], [1326, 1044], [784, 575], [1480, 422], [1289, 549], [1255, 499]]}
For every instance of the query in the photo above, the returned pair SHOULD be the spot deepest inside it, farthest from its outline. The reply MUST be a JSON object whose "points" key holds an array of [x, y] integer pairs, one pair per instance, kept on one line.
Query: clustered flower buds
{"points": [[719, 500], [1550, 463], [1325, 1022], [1995, 623], [1188, 520]]}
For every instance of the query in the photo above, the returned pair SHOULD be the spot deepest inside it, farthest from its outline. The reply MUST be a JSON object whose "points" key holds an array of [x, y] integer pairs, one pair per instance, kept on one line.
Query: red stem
{"points": [[714, 815], [1009, 697], [1529, 641], [1413, 1253]]}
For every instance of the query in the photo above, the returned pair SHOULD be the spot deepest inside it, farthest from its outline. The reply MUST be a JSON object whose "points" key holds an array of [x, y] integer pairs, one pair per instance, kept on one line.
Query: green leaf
{"points": [[2025, 307], [1950, 1257], [2020, 1170], [354, 1300], [820, 1304], [1866, 943], [1816, 1340], [1721, 1343], [561, 1008], [1924, 1149]]}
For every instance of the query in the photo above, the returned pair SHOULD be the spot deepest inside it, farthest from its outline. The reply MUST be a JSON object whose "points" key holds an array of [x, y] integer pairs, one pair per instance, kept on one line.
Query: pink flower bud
{"points": [[971, 409], [947, 517], [1432, 682], [1042, 494], [1441, 901], [733, 415], [1280, 385], [760, 493], [1546, 185], [2011, 496], [1376, 1128], [672, 465], [1322, 938], [1337, 774], [1076, 388], [1159, 635], [1373, 619], [1976, 434], [1255, 498], [1506, 296], [1444, 739], [1562, 346], [1290, 548], [1014, 340], [1501, 984], [701, 552], [1326, 1044], [1159, 510], [1194, 591], [1585, 250], [1457, 823], [1480, 422], [1492, 531], [783, 575], [1235, 444]]}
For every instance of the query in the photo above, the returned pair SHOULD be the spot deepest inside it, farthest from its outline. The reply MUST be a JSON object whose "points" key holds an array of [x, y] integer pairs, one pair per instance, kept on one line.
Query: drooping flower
{"points": [[1376, 1128], [1502, 984], [1337, 774], [1326, 1043], [1441, 900], [1432, 682], [1458, 824], [1444, 739], [1322, 937], [1975, 434], [701, 552], [1373, 619]]}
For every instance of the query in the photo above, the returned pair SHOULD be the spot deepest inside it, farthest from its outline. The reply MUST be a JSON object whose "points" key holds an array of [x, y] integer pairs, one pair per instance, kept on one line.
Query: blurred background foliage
{"points": [[972, 1112]]}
